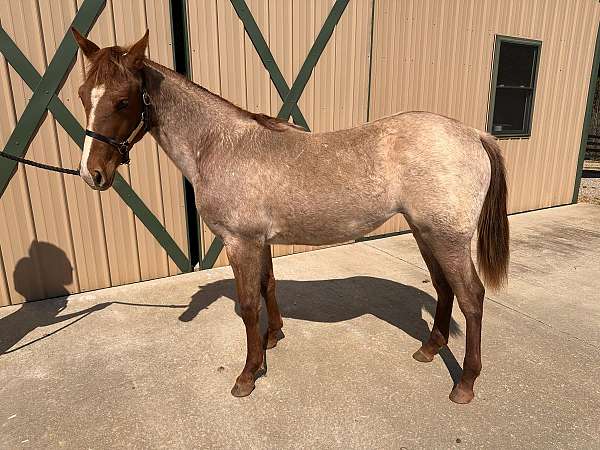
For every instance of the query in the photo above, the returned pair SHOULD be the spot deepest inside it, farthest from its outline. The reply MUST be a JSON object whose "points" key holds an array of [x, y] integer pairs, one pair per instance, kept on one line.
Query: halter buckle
{"points": [[123, 149], [146, 98]]}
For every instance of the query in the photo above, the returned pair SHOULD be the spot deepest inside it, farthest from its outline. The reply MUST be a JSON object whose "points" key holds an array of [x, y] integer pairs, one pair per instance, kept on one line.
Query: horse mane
{"points": [[109, 63], [273, 123], [264, 120]]}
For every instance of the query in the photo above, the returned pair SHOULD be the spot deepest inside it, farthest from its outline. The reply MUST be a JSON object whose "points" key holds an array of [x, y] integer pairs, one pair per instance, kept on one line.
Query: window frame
{"points": [[499, 39]]}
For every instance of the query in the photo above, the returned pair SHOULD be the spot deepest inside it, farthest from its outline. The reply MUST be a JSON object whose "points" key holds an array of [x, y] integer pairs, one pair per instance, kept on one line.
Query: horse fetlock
{"points": [[273, 336], [438, 339]]}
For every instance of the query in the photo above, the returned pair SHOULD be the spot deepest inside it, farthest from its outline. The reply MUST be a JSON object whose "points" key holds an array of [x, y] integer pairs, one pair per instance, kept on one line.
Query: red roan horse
{"points": [[261, 181]]}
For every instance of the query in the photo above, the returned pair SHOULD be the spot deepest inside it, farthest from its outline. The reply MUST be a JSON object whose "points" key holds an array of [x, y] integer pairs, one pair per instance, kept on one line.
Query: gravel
{"points": [[589, 191]]}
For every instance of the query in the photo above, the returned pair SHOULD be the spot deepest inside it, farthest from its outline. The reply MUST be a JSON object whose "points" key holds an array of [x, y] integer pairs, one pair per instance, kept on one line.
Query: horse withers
{"points": [[261, 181]]}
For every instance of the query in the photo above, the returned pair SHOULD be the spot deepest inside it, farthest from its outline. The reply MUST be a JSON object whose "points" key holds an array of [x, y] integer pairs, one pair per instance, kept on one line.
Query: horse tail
{"points": [[492, 228]]}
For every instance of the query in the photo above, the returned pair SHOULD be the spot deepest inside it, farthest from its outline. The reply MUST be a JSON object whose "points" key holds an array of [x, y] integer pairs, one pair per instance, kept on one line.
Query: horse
{"points": [[259, 181]]}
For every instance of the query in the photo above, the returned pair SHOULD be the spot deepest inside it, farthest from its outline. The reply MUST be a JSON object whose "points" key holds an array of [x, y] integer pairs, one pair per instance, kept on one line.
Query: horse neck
{"points": [[187, 120]]}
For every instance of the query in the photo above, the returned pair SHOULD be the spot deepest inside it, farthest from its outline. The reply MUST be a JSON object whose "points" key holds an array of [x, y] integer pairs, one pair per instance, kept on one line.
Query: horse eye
{"points": [[122, 104]]}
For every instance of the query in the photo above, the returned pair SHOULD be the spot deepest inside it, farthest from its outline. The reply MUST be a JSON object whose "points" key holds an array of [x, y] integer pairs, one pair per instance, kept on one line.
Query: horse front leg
{"points": [[267, 289], [245, 258]]}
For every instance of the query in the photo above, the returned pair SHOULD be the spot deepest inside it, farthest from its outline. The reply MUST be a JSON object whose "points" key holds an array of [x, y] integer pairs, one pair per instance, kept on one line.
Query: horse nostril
{"points": [[98, 178]]}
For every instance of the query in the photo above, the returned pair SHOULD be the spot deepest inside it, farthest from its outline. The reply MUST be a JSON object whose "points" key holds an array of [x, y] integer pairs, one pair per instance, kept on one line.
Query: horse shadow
{"points": [[51, 265], [337, 300]]}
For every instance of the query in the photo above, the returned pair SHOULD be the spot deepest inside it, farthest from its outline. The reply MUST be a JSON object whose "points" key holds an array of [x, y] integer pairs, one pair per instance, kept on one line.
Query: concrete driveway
{"points": [[150, 365]]}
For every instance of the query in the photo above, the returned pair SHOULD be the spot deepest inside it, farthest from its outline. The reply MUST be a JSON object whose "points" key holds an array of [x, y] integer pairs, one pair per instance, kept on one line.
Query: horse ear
{"points": [[88, 48], [136, 53]]}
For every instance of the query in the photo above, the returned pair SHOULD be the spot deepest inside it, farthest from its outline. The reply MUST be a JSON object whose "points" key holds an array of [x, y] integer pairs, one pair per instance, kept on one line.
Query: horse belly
{"points": [[310, 229]]}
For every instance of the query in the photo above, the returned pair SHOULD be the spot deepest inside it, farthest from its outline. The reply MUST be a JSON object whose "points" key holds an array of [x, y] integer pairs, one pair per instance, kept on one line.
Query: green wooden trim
{"points": [[181, 62], [181, 7], [519, 40], [513, 40], [186, 39], [512, 136], [370, 59], [312, 58], [212, 253], [152, 224], [588, 117], [243, 12], [383, 236], [29, 122], [64, 117]]}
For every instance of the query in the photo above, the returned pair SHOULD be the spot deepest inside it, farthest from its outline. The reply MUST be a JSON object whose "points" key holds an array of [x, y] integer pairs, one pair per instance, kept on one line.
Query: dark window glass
{"points": [[511, 109], [516, 65], [516, 68]]}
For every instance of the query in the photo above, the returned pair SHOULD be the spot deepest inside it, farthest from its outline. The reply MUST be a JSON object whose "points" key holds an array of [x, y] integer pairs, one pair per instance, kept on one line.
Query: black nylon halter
{"points": [[124, 146]]}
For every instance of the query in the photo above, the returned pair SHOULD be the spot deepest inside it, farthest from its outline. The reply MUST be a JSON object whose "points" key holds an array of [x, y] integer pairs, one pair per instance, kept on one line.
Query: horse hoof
{"points": [[421, 356], [242, 389], [461, 396], [274, 337]]}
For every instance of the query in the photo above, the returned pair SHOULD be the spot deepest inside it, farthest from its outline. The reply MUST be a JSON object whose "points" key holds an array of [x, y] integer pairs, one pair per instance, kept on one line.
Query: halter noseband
{"points": [[123, 147]]}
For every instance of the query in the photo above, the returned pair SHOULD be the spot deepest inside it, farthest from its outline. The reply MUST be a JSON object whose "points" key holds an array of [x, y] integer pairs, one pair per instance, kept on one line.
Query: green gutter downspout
{"points": [[588, 117], [370, 59], [181, 63]]}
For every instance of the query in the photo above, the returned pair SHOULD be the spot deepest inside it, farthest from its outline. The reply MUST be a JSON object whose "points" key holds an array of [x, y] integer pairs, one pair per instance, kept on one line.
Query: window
{"points": [[513, 86]]}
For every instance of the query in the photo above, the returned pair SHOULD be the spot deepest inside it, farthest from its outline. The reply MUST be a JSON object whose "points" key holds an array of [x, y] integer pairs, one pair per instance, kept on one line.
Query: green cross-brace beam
{"points": [[289, 96], [44, 98], [264, 52], [34, 112], [587, 117], [291, 99]]}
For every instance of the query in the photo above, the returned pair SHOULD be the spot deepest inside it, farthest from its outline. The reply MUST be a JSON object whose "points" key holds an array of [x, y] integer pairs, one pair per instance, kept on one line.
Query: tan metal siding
{"points": [[437, 55], [99, 235]]}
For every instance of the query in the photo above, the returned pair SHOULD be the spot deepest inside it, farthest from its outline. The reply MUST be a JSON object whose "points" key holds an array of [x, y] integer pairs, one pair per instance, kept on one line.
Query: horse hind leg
{"points": [[440, 331], [459, 270], [267, 289]]}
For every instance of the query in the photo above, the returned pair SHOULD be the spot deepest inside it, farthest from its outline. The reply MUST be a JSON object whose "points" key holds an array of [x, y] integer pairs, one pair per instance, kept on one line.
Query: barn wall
{"points": [[434, 55], [431, 55], [60, 236], [437, 55]]}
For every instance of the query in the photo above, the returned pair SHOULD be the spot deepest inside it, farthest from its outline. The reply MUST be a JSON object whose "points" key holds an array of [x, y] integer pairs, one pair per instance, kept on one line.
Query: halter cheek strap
{"points": [[124, 146]]}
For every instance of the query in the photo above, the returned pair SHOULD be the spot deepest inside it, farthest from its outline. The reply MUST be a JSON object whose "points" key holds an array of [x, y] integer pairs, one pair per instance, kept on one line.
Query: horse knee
{"points": [[249, 311]]}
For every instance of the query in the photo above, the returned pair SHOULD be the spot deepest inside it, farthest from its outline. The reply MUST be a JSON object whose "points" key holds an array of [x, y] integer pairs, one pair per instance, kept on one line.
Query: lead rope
{"points": [[40, 165]]}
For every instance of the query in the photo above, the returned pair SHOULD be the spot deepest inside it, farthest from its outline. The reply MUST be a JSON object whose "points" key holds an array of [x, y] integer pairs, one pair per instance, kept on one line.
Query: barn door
{"points": [[137, 230]]}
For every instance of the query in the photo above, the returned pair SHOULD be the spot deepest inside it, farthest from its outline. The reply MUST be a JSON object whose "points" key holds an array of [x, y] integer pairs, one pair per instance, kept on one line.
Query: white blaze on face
{"points": [[96, 95]]}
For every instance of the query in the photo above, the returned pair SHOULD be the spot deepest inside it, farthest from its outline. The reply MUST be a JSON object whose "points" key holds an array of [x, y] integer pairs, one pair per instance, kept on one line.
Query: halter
{"points": [[123, 147]]}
